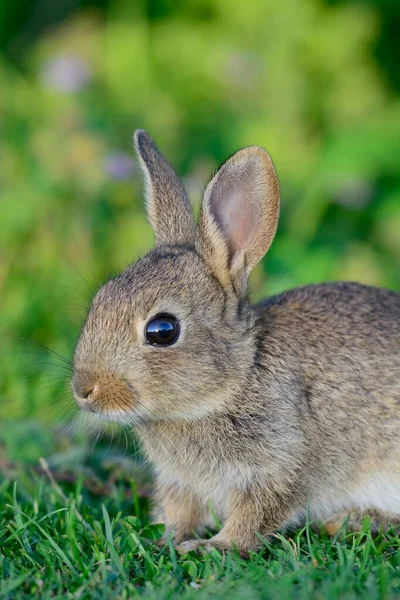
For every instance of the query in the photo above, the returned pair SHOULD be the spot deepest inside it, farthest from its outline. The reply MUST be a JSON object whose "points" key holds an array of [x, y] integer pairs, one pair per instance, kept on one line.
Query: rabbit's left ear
{"points": [[167, 204], [239, 216]]}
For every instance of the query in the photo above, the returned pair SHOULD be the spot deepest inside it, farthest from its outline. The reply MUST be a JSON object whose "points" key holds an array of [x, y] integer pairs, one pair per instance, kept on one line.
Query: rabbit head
{"points": [[172, 336]]}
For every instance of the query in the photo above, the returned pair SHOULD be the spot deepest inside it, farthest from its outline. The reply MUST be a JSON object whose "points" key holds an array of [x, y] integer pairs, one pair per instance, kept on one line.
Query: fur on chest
{"points": [[200, 467], [213, 483]]}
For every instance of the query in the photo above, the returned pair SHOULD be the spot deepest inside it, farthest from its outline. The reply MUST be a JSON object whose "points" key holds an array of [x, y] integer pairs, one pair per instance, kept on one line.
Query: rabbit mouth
{"points": [[105, 394]]}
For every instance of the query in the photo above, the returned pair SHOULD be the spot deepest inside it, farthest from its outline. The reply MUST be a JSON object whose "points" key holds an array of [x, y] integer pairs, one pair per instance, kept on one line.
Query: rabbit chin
{"points": [[141, 415], [122, 416]]}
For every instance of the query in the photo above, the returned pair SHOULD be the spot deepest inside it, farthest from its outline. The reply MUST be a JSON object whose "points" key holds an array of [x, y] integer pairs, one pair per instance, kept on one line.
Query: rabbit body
{"points": [[256, 414], [316, 426]]}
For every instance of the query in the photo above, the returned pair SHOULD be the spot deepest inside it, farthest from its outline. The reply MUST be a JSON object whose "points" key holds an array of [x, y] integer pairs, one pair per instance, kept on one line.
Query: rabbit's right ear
{"points": [[167, 204], [239, 216]]}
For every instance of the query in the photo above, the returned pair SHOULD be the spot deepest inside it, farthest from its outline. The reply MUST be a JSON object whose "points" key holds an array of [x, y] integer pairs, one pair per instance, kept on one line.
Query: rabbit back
{"points": [[341, 344]]}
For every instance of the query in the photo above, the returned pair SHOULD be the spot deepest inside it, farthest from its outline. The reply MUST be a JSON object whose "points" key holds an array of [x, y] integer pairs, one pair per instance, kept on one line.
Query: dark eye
{"points": [[162, 330]]}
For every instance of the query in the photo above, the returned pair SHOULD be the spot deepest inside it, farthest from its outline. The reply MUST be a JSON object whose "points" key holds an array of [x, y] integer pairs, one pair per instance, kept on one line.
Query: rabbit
{"points": [[258, 415]]}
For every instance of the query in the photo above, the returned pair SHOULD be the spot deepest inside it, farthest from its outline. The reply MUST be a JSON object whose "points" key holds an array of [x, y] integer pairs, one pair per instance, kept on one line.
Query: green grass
{"points": [[76, 526]]}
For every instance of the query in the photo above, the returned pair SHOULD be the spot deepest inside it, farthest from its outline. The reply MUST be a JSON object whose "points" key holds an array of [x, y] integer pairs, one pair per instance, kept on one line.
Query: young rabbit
{"points": [[261, 413]]}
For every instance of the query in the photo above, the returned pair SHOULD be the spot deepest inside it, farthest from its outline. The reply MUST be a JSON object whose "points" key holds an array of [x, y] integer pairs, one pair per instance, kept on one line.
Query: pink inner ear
{"points": [[235, 208]]}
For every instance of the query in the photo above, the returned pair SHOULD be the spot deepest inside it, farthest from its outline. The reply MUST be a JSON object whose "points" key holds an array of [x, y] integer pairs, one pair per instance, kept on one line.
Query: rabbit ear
{"points": [[167, 204], [239, 216]]}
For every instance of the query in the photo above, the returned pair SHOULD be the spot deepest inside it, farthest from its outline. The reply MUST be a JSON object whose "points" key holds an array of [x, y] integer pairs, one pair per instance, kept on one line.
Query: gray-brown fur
{"points": [[168, 206], [261, 412], [354, 521]]}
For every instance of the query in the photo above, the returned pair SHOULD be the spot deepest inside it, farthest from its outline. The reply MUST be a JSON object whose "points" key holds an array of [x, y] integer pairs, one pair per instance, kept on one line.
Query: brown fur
{"points": [[353, 522], [262, 412]]}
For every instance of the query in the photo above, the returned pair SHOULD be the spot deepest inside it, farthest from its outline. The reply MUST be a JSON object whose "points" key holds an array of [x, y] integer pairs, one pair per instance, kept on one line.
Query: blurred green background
{"points": [[316, 82]]}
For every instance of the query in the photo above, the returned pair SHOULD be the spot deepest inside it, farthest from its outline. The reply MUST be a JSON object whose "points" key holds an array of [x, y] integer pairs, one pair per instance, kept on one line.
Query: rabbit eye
{"points": [[162, 330]]}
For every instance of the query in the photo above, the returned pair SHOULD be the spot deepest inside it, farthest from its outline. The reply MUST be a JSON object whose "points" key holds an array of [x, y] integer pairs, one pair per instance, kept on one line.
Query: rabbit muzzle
{"points": [[105, 394]]}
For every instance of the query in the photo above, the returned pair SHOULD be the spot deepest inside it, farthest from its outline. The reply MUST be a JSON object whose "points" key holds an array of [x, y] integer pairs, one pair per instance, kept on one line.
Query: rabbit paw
{"points": [[220, 543], [203, 546]]}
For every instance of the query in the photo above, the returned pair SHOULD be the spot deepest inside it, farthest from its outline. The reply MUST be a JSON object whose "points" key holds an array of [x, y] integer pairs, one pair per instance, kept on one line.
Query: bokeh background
{"points": [[316, 82]]}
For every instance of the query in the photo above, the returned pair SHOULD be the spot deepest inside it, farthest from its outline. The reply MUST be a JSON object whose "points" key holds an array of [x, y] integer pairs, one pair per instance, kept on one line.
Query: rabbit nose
{"points": [[88, 394], [85, 388]]}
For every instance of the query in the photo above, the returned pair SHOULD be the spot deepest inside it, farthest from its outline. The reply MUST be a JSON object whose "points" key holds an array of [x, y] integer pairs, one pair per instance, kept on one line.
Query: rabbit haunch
{"points": [[259, 411]]}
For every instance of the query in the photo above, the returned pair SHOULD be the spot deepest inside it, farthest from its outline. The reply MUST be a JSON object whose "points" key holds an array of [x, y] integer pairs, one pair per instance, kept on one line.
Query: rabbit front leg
{"points": [[178, 509], [251, 513]]}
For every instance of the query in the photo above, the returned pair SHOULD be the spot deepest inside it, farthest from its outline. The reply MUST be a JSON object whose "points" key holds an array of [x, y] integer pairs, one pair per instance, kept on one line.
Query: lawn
{"points": [[75, 525]]}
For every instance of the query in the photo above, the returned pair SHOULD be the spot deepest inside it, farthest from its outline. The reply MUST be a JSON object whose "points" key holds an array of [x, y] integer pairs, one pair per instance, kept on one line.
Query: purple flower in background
{"points": [[354, 192], [119, 165], [66, 74], [243, 69]]}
